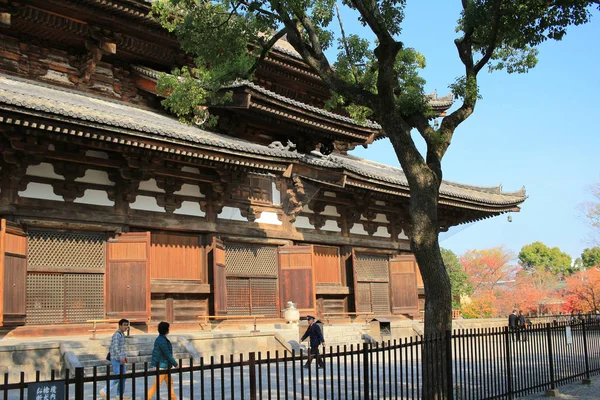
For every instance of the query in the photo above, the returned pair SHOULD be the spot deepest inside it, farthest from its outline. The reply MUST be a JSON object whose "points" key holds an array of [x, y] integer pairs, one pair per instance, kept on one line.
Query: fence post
{"points": [[587, 379], [550, 359], [366, 383], [79, 383], [252, 367], [509, 381], [449, 379]]}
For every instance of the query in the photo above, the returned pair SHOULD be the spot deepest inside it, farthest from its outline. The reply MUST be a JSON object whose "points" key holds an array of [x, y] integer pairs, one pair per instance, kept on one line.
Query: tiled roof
{"points": [[317, 110], [93, 109], [153, 74], [393, 175], [57, 103]]}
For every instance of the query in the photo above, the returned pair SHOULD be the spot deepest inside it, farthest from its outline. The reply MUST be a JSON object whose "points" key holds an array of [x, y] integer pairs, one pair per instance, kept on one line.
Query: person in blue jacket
{"points": [[162, 357], [316, 339]]}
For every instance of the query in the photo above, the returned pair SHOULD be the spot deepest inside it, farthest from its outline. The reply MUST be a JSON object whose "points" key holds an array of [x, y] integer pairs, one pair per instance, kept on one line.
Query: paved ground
{"points": [[575, 391]]}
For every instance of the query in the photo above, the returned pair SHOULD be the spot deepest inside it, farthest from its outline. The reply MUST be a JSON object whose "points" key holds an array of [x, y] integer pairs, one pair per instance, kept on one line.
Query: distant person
{"points": [[118, 361], [513, 324], [316, 339], [522, 326], [162, 357]]}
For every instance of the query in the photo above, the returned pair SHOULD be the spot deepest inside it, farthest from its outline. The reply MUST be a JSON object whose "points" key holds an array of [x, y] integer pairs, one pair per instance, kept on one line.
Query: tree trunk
{"points": [[423, 214]]}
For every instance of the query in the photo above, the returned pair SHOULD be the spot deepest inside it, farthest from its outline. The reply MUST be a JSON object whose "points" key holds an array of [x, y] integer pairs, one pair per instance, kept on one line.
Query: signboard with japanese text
{"points": [[53, 390]]}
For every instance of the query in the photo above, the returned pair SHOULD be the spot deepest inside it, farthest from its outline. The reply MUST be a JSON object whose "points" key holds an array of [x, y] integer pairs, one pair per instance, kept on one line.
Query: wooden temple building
{"points": [[111, 208]]}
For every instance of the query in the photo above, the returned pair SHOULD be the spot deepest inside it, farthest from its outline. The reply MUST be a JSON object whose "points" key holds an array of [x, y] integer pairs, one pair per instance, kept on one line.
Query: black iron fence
{"points": [[491, 363]]}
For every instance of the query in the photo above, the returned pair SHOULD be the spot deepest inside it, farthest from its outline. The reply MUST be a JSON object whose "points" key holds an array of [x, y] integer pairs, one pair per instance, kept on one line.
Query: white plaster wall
{"points": [[40, 191], [382, 232], [358, 229], [150, 186], [45, 170], [331, 211], [96, 197], [276, 194], [191, 170], [328, 194], [268, 217], [307, 209], [381, 218], [190, 190], [303, 222], [146, 203], [380, 203], [190, 208], [96, 176], [331, 226], [232, 214], [97, 154], [401, 235]]}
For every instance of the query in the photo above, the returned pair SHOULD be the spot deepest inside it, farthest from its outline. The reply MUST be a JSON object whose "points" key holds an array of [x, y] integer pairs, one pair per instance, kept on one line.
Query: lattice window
{"points": [[251, 260], [61, 250], [256, 188], [363, 297], [264, 296], [238, 296], [372, 267], [84, 297], [45, 298], [380, 295], [252, 296]]}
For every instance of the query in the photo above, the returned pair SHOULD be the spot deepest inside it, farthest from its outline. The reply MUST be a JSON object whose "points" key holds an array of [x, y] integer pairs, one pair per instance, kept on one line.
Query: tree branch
{"points": [[266, 47], [345, 42], [370, 13], [491, 47]]}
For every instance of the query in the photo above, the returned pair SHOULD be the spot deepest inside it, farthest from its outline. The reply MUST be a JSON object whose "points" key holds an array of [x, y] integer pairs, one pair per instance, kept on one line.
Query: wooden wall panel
{"points": [[327, 265], [128, 276], [403, 285], [128, 287], [13, 274], [219, 277], [128, 251], [16, 244], [179, 308], [296, 277], [174, 256], [15, 285]]}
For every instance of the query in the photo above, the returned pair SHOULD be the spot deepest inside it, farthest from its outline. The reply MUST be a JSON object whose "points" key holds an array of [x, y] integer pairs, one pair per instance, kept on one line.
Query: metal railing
{"points": [[489, 363]]}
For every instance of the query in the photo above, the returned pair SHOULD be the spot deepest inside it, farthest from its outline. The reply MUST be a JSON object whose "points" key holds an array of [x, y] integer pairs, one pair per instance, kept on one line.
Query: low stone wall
{"points": [[226, 343], [29, 358]]}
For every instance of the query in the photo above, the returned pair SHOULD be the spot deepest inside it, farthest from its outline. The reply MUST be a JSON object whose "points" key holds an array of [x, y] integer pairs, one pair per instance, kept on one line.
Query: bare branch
{"points": [[350, 61]]}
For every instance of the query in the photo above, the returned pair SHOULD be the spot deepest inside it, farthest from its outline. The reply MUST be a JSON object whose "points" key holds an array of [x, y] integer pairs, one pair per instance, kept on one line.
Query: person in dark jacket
{"points": [[513, 325], [316, 339], [522, 326], [162, 357]]}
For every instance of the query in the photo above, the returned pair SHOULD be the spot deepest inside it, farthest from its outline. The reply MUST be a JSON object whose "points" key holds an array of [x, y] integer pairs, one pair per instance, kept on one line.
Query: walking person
{"points": [[522, 326], [162, 358], [118, 361], [316, 339], [513, 325]]}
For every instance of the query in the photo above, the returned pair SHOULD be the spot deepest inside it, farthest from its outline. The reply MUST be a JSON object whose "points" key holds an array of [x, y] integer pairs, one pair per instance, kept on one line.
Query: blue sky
{"points": [[537, 130]]}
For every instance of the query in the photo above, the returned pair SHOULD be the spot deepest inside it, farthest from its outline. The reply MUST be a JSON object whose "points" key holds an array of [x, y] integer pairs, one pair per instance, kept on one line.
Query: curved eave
{"points": [[66, 112]]}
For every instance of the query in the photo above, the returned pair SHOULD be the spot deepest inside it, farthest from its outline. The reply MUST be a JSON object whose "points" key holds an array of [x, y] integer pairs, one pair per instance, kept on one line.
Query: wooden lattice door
{"points": [[128, 276], [13, 274], [296, 277], [371, 283], [403, 282], [251, 279], [65, 276]]}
